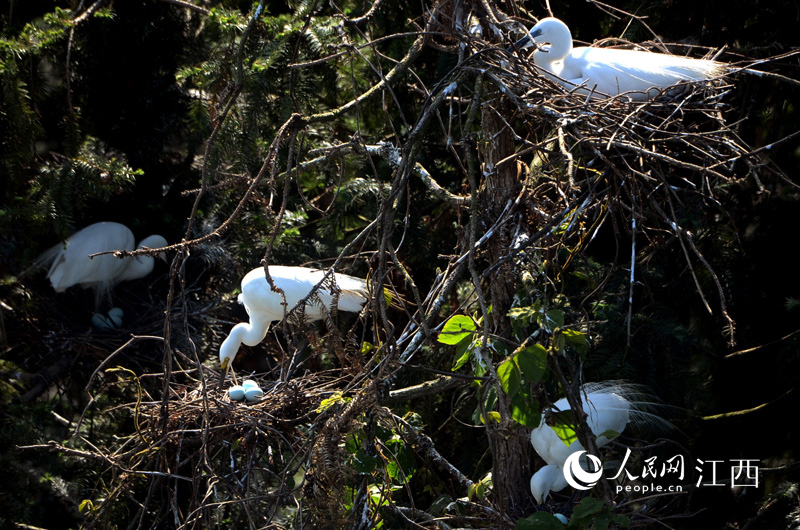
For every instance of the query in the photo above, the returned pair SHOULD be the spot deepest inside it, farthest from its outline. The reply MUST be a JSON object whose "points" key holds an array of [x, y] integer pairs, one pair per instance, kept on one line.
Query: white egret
{"points": [[265, 306], [602, 72], [609, 408], [70, 263]]}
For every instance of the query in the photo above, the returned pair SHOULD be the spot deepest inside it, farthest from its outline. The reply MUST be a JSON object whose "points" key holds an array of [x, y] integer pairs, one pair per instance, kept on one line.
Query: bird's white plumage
{"points": [[265, 306], [641, 75], [70, 263], [608, 413]]}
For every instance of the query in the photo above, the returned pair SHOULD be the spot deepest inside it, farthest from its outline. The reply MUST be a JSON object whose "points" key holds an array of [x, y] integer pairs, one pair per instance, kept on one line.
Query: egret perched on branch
{"points": [[609, 408], [70, 263], [265, 306], [640, 75]]}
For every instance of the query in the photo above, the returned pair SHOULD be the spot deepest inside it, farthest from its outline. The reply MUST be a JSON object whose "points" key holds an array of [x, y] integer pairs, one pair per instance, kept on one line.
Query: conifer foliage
{"points": [[519, 240]]}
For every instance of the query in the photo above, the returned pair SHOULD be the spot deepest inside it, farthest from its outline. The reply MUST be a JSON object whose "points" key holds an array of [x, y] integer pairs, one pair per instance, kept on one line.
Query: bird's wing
{"points": [[53, 258], [550, 447], [106, 270], [616, 71], [608, 415]]}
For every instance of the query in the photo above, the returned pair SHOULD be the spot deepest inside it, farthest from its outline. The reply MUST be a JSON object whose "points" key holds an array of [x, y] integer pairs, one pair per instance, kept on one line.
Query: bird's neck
{"points": [[138, 267], [558, 48]]}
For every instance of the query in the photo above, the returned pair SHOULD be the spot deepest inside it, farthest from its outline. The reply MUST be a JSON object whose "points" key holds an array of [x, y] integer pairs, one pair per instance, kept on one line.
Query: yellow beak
{"points": [[225, 364]]}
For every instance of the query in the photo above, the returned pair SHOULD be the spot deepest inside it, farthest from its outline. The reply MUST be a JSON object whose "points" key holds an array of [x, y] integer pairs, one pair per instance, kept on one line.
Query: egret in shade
{"points": [[609, 408], [602, 72], [265, 306], [70, 263]]}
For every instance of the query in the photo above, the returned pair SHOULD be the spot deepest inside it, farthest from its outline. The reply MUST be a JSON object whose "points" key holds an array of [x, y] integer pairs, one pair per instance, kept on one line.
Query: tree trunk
{"points": [[511, 448]]}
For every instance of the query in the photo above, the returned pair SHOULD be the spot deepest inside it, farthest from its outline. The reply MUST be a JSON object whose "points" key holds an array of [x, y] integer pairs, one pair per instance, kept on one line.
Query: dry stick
{"points": [[68, 58], [297, 120], [203, 382], [234, 94], [365, 17], [402, 174], [686, 236], [633, 269], [744, 412], [413, 53], [100, 367], [207, 156], [762, 346], [323, 60], [275, 227], [425, 444], [585, 434], [98, 456], [75, 21], [188, 5]]}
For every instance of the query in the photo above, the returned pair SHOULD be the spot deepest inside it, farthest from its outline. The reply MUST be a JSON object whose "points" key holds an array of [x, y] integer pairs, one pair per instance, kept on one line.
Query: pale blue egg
{"points": [[236, 393]]}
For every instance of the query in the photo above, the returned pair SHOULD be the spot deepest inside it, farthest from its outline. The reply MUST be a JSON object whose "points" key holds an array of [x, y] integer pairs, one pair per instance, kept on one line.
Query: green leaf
{"points": [[353, 442], [563, 423], [558, 343], [480, 488], [456, 329], [609, 434], [402, 467], [363, 463], [489, 401], [593, 512], [553, 320], [532, 360], [440, 504], [527, 313], [327, 403], [463, 352], [510, 377], [587, 507], [525, 411], [577, 340], [566, 433], [539, 521]]}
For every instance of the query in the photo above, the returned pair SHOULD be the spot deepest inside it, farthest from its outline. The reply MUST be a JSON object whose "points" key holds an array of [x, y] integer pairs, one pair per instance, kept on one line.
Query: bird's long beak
{"points": [[226, 367], [522, 43]]}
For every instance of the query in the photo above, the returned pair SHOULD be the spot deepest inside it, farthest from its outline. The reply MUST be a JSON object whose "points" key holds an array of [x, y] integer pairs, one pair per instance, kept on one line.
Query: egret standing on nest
{"points": [[265, 306], [608, 406], [640, 75], [70, 263]]}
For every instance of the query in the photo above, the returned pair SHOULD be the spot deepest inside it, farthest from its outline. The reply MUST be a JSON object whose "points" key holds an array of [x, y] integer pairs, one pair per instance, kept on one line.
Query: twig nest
{"points": [[236, 393], [253, 393]]}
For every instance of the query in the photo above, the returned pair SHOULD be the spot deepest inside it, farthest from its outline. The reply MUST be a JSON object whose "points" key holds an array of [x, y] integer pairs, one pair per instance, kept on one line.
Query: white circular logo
{"points": [[579, 478]]}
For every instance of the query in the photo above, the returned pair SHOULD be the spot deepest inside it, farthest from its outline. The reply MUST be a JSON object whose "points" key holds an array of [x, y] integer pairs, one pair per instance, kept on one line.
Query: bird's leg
{"points": [[296, 359]]}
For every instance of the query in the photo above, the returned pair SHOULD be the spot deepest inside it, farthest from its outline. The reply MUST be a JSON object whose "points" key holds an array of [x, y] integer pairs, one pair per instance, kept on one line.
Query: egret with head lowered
{"points": [[609, 408], [265, 306], [70, 263], [603, 72]]}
